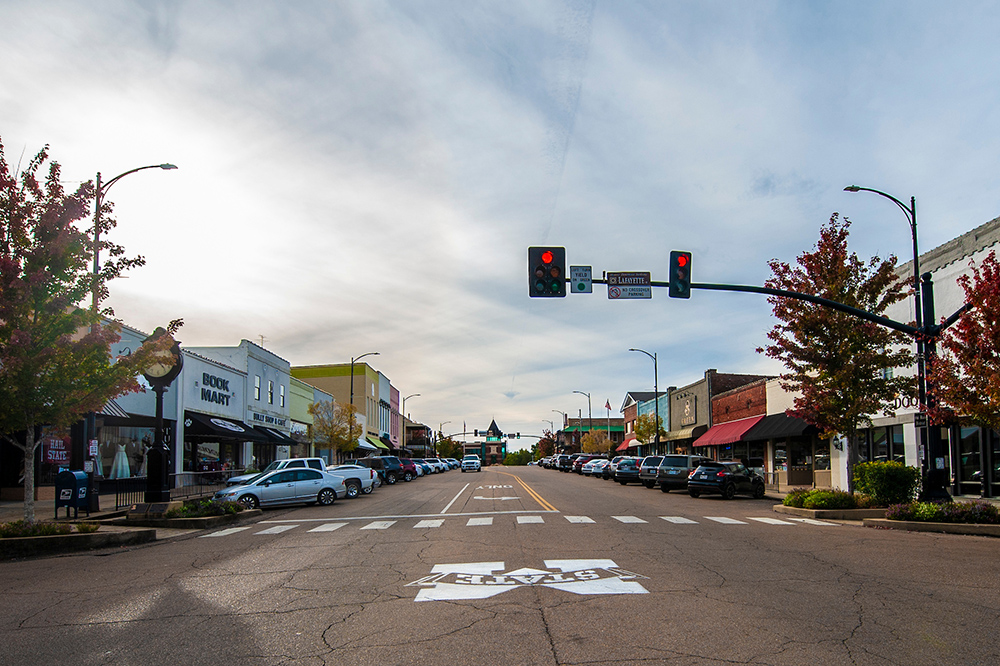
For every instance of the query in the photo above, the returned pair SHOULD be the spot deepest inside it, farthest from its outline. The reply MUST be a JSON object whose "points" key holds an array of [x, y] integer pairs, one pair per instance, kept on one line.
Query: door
{"points": [[279, 488], [307, 484], [969, 469]]}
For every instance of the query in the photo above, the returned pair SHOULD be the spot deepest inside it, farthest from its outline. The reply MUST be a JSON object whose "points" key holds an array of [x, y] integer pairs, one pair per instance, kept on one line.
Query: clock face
{"points": [[159, 369]]}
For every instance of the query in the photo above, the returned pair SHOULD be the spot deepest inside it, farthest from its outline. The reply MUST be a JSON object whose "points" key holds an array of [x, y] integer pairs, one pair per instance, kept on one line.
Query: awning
{"points": [[377, 443], [627, 444], [777, 426], [684, 433], [112, 408], [727, 433], [365, 446], [207, 426], [275, 436]]}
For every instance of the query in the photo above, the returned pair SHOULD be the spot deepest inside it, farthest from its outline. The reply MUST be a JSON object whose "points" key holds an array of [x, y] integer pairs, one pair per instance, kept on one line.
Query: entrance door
{"points": [[969, 470]]}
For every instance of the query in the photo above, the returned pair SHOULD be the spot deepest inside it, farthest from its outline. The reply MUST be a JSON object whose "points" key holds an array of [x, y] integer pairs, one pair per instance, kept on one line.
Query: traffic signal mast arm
{"points": [[931, 330]]}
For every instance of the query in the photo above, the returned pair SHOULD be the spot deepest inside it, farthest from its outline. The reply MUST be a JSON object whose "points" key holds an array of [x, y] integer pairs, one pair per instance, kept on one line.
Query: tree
{"points": [[645, 428], [522, 457], [333, 425], [595, 441], [55, 361], [838, 364], [547, 444], [965, 375], [449, 448]]}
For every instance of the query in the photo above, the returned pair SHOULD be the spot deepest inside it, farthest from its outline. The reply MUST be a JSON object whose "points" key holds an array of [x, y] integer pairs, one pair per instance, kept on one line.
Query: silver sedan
{"points": [[287, 486]]}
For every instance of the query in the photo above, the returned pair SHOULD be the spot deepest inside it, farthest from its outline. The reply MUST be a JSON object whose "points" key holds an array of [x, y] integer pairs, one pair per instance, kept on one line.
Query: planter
{"points": [[205, 523], [975, 529], [62, 543], [831, 514]]}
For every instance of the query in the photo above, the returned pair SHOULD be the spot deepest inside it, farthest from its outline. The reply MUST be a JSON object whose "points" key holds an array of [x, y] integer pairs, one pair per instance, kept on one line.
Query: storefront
{"points": [[974, 460], [216, 444]]}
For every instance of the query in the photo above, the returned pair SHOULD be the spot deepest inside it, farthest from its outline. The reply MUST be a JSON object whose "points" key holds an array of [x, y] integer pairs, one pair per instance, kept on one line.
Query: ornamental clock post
{"points": [[160, 374]]}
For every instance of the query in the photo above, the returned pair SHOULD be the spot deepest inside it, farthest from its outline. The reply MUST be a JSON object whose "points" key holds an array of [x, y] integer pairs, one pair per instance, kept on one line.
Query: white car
{"points": [[471, 463], [438, 464], [358, 479]]}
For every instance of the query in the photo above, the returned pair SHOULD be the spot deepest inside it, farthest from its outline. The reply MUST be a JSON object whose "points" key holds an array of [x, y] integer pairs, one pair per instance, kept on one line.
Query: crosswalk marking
{"points": [[480, 521], [430, 523], [628, 519], [277, 529], [725, 521], [225, 532], [813, 521], [328, 527], [770, 521], [578, 519], [679, 520], [379, 525], [529, 520]]}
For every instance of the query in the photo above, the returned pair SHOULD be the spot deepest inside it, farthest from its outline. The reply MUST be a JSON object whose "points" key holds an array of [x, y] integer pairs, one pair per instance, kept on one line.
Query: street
{"points": [[516, 565]]}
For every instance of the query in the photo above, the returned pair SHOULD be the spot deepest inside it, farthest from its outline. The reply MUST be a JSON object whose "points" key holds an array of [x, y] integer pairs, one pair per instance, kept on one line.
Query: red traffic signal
{"points": [[546, 272], [680, 275]]}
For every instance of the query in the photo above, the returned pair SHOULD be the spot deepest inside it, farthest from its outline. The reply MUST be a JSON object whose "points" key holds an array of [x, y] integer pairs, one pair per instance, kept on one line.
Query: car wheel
{"points": [[463, 470], [649, 484], [407, 476], [758, 491], [665, 489], [327, 497], [353, 489], [368, 490], [694, 493], [623, 482], [390, 479], [249, 502], [728, 491]]}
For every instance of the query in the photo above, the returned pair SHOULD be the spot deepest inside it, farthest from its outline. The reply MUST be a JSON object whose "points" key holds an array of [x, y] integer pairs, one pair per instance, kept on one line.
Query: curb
{"points": [[831, 514], [974, 529], [14, 547], [204, 523]]}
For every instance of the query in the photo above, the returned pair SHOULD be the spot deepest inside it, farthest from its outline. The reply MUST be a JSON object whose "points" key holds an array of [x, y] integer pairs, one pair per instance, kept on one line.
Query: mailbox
{"points": [[71, 491]]}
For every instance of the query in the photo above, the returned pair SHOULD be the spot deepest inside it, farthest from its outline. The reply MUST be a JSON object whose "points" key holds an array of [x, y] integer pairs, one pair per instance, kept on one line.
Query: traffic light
{"points": [[680, 275], [546, 272]]}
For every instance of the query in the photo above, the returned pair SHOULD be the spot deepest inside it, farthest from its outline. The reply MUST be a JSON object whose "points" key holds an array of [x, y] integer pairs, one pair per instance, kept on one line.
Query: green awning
{"points": [[598, 427], [377, 443]]}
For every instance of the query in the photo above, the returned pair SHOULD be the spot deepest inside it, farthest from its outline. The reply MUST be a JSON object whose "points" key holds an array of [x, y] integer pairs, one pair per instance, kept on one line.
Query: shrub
{"points": [[87, 528], [887, 483], [900, 511], [829, 499], [20, 528], [203, 508], [796, 497], [928, 512], [981, 512]]}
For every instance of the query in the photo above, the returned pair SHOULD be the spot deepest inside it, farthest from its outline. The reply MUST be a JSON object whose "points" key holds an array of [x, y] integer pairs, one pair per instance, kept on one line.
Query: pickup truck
{"points": [[314, 463], [471, 463]]}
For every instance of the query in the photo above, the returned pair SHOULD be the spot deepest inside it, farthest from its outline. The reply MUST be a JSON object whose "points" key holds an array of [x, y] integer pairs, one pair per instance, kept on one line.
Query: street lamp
{"points": [[100, 191], [911, 218], [563, 425], [590, 413], [160, 373], [350, 427], [656, 394], [440, 434], [412, 395]]}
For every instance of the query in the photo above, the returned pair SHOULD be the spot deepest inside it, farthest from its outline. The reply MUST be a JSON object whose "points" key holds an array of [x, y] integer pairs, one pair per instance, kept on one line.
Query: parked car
{"points": [[438, 464], [425, 467], [609, 471], [566, 462], [561, 461], [582, 460], [359, 480], [388, 468], [627, 470], [727, 478], [314, 463], [409, 469], [587, 468], [286, 486], [647, 470], [452, 463], [674, 470], [600, 465], [471, 463]]}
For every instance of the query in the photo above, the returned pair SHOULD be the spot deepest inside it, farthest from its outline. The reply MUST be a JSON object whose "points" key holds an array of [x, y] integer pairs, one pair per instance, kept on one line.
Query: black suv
{"points": [[674, 470], [627, 470], [388, 468], [647, 470], [726, 478]]}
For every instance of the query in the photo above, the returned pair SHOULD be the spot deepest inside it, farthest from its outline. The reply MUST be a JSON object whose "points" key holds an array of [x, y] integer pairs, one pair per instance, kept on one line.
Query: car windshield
{"points": [[270, 468], [675, 461]]}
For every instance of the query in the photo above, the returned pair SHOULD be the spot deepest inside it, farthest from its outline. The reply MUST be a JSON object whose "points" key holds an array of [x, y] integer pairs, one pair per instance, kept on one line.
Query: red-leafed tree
{"points": [[55, 362], [836, 362], [547, 444], [965, 375]]}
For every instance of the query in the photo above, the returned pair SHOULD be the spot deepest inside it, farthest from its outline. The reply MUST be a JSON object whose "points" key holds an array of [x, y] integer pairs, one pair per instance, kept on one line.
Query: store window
{"points": [[281, 394], [780, 457], [270, 392], [256, 387], [123, 451], [822, 460]]}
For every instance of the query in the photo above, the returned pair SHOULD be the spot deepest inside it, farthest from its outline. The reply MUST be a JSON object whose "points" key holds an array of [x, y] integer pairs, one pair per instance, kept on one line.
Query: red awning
{"points": [[727, 433], [627, 444]]}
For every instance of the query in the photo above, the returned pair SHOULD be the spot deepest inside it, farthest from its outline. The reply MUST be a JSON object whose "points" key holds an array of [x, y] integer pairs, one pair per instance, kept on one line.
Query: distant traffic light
{"points": [[680, 275], [546, 272]]}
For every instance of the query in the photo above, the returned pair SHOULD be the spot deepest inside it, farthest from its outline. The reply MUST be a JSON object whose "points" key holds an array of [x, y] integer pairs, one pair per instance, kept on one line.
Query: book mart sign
{"points": [[629, 285]]}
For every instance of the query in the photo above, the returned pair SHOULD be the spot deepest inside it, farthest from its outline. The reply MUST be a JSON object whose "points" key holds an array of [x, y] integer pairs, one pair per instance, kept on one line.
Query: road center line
{"points": [[445, 510]]}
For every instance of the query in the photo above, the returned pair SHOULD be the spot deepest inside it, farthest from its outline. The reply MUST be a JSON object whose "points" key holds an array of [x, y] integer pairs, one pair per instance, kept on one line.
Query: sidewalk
{"points": [[11, 510]]}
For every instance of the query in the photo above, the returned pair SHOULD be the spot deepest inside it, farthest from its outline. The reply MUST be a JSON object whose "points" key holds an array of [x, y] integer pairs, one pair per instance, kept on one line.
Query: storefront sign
{"points": [[56, 451], [215, 389], [268, 419], [689, 411]]}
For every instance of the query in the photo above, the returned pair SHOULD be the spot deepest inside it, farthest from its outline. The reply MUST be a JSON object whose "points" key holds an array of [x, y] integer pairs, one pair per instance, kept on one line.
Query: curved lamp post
{"points": [[100, 191], [350, 427], [440, 434], [412, 395], [561, 426], [590, 412], [656, 395], [911, 217]]}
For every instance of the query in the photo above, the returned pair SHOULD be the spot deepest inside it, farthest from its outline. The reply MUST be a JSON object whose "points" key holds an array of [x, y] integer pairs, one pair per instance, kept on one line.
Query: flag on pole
{"points": [[607, 405]]}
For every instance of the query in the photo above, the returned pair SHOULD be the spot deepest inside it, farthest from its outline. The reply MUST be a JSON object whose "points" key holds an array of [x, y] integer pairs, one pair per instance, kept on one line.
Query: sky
{"points": [[362, 176]]}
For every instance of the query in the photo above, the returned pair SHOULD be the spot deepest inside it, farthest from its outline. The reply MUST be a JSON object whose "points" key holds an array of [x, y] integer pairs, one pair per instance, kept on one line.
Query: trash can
{"points": [[71, 492]]}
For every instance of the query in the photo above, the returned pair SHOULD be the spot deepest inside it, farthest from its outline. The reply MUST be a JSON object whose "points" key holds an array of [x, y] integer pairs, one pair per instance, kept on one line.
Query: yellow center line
{"points": [[536, 496]]}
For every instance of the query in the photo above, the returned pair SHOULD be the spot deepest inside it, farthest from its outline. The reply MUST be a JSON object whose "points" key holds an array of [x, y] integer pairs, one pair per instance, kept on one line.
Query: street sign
{"points": [[580, 280], [629, 284], [920, 420]]}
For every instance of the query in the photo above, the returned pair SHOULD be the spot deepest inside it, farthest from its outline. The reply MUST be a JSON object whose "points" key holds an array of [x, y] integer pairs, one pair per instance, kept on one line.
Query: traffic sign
{"points": [[580, 280], [629, 284]]}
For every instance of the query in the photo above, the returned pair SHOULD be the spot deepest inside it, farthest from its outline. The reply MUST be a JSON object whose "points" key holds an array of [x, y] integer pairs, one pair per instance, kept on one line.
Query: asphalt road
{"points": [[514, 566]]}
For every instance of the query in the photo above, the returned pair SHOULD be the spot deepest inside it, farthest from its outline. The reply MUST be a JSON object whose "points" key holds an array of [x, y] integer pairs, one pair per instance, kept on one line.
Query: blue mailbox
{"points": [[71, 492]]}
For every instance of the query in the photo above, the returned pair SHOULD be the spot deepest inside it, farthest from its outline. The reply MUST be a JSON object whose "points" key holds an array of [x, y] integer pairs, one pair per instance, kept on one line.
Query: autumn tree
{"points": [[55, 361], [965, 374], [547, 444], [449, 448], [645, 428], [838, 364], [595, 441], [335, 425]]}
